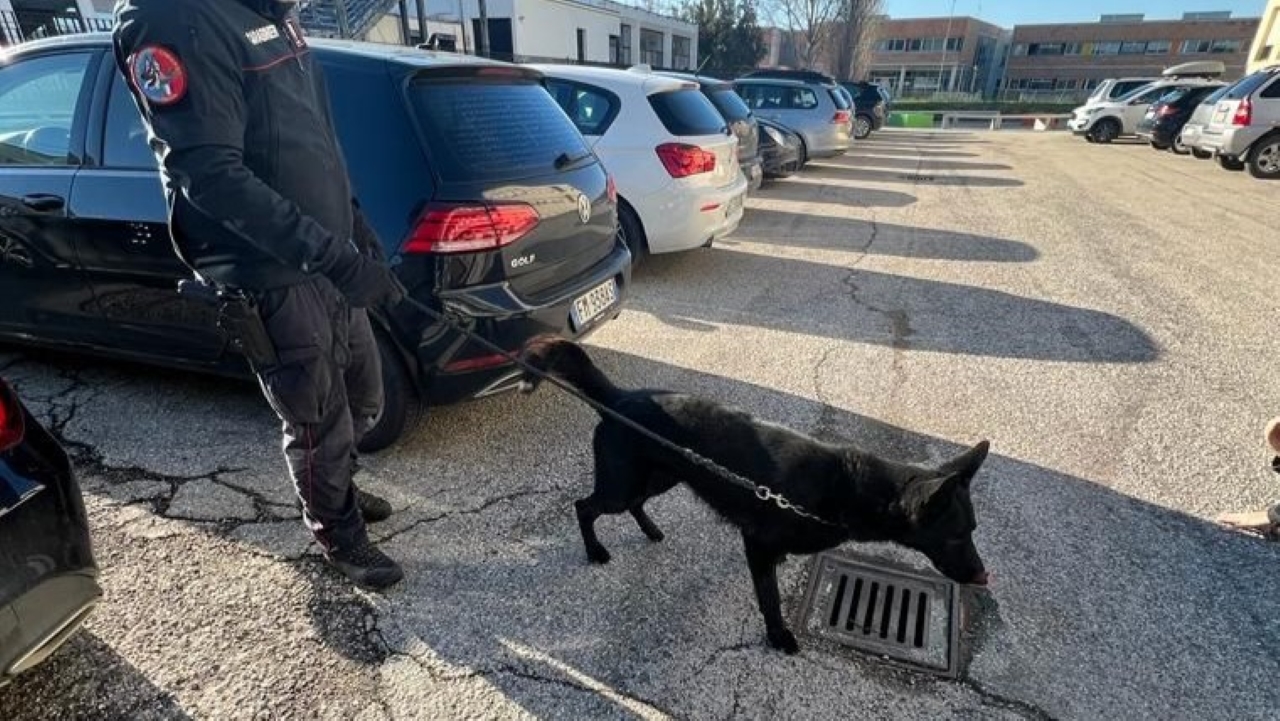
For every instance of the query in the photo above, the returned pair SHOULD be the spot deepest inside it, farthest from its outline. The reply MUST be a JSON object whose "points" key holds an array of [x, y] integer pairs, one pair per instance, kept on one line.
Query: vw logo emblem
{"points": [[584, 208]]}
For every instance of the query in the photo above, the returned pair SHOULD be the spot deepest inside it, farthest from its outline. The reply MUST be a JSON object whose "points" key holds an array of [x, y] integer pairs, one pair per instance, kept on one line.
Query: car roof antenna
{"points": [[698, 73]]}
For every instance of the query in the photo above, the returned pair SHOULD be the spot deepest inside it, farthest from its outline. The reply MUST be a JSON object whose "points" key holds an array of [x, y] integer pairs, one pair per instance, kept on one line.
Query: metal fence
{"points": [[342, 18], [18, 26]]}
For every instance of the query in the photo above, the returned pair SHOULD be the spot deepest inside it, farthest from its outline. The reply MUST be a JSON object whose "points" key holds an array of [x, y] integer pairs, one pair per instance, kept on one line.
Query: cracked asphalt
{"points": [[1105, 315]]}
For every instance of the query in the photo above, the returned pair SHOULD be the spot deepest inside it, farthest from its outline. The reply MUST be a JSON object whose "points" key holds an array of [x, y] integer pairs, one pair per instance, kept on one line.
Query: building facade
{"points": [[31, 19], [1266, 44], [938, 55], [1077, 56], [588, 31]]}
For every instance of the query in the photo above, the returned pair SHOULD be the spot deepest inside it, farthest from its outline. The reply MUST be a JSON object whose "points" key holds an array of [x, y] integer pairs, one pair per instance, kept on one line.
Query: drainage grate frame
{"points": [[886, 610]]}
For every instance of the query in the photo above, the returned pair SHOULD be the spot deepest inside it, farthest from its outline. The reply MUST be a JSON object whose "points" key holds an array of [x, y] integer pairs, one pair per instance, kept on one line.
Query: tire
{"points": [[1159, 146], [1201, 154], [1178, 148], [631, 233], [1226, 162], [1264, 158], [862, 127], [401, 408], [1089, 138], [1104, 131]]}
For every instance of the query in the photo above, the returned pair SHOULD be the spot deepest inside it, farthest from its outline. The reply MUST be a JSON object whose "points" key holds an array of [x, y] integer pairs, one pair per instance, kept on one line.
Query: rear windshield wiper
{"points": [[565, 160]]}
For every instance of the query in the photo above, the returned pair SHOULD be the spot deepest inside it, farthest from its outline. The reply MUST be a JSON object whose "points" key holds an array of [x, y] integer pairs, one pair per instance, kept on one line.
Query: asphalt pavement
{"points": [[1104, 315]]}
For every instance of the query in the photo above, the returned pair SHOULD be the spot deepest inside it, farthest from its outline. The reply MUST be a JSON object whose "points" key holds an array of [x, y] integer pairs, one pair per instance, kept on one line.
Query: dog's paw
{"points": [[783, 640], [598, 554]]}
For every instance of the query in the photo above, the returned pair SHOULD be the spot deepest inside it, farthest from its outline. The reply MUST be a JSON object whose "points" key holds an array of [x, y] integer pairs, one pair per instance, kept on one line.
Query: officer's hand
{"points": [[366, 282]]}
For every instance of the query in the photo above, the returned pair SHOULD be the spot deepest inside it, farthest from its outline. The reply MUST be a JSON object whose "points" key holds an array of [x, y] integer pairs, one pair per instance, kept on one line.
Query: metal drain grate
{"points": [[917, 178], [906, 616]]}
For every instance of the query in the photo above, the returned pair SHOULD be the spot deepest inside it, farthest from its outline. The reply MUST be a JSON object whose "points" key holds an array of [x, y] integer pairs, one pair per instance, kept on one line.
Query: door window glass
{"points": [[125, 142], [37, 108]]}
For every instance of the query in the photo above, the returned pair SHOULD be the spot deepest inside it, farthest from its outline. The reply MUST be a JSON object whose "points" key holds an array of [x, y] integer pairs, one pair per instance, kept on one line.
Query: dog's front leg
{"points": [[763, 563]]}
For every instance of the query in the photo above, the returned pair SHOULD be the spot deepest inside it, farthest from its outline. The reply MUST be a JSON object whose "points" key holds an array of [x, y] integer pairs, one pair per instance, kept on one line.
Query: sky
{"points": [[1008, 13]]}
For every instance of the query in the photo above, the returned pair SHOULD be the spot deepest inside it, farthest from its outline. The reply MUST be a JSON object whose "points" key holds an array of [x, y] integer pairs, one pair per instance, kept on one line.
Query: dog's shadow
{"points": [[1088, 583]]}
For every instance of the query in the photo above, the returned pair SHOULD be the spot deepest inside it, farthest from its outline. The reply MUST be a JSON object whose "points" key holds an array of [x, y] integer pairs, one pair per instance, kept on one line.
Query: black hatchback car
{"points": [[48, 578], [872, 105], [739, 119], [509, 225], [1163, 123]]}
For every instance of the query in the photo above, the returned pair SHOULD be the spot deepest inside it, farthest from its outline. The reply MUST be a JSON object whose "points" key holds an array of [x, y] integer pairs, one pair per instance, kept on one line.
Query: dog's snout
{"points": [[981, 578]]}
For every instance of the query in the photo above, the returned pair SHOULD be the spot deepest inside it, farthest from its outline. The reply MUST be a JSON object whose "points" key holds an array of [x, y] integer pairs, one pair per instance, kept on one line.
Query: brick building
{"points": [[1076, 56], [928, 55]]}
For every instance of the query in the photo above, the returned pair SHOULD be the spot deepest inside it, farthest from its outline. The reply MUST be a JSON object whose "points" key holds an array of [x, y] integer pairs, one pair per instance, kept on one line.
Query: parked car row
{"points": [[1191, 112]]}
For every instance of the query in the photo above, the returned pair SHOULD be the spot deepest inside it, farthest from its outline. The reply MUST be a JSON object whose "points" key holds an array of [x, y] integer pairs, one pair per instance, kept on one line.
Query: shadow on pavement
{"points": [[859, 150], [797, 229], [922, 165], [86, 679], [1105, 602], [887, 309], [844, 171], [809, 192]]}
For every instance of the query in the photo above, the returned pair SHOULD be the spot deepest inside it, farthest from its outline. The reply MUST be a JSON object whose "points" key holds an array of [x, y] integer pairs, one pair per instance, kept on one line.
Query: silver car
{"points": [[1189, 138], [1245, 128], [819, 113]]}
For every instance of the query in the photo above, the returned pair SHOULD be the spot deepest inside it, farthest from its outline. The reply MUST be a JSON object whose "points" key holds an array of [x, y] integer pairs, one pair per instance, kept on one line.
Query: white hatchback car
{"points": [[673, 159]]}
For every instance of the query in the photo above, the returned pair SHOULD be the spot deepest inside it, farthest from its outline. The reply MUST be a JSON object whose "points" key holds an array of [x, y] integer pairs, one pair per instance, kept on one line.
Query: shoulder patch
{"points": [[158, 74]]}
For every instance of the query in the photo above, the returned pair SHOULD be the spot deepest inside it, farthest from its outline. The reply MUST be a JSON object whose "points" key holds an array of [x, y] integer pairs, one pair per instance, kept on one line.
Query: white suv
{"points": [[1104, 121], [673, 158], [1244, 130]]}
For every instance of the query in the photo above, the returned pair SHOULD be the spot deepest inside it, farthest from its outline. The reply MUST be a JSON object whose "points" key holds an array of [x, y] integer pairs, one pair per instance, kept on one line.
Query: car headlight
{"points": [[775, 136]]}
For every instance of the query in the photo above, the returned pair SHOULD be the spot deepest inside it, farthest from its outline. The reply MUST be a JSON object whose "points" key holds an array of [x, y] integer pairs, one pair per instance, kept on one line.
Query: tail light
{"points": [[841, 116], [12, 426], [444, 228], [1166, 111], [611, 189], [682, 160], [1244, 114]]}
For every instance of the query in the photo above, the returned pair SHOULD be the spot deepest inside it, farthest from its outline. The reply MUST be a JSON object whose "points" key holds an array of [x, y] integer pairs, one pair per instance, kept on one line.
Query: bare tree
{"points": [[855, 38], [812, 21]]}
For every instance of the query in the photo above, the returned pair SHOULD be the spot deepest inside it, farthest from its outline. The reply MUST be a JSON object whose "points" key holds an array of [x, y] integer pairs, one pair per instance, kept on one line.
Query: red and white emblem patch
{"points": [[159, 75]]}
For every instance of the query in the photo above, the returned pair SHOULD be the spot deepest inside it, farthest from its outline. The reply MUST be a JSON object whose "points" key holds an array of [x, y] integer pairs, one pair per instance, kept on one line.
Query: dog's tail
{"points": [[568, 361]]}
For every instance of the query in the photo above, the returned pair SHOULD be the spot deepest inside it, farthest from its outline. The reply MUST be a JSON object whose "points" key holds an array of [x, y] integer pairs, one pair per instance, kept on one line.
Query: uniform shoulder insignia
{"points": [[158, 74]]}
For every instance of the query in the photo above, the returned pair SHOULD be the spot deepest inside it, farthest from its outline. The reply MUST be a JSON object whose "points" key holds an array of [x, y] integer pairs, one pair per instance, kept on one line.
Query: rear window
{"points": [[1217, 95], [491, 131], [1246, 87], [729, 104], [840, 97], [687, 112]]}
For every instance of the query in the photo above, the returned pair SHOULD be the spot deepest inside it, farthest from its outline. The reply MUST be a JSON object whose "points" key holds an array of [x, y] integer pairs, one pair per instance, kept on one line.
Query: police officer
{"points": [[259, 202]]}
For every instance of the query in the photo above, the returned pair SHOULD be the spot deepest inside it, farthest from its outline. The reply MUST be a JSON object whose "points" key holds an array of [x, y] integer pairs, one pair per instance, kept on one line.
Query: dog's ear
{"points": [[930, 493], [965, 466]]}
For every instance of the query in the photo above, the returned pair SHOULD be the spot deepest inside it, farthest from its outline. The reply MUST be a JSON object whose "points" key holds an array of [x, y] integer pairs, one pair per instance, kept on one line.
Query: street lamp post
{"points": [[942, 66]]}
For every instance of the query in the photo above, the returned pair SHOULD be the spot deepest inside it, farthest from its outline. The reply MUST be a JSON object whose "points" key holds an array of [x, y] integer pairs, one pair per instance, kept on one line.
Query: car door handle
{"points": [[44, 202]]}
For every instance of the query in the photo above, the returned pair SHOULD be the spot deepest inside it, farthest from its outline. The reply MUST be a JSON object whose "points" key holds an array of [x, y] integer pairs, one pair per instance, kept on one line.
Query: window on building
{"points": [[914, 45], [1045, 49], [1072, 49], [1225, 46], [624, 45], [613, 50], [681, 49], [651, 47], [955, 45], [582, 45], [1106, 48], [1194, 47], [1020, 49], [1133, 48], [1159, 47]]}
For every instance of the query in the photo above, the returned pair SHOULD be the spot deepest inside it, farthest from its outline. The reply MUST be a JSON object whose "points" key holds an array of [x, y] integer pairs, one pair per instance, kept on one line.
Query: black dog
{"points": [[857, 496]]}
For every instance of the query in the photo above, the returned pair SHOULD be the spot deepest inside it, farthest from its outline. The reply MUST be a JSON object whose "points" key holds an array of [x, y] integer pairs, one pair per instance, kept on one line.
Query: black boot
{"points": [[366, 566], [372, 508]]}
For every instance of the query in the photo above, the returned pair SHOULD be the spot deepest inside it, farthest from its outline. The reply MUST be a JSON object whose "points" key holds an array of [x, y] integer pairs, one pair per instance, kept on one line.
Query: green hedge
{"points": [[907, 106]]}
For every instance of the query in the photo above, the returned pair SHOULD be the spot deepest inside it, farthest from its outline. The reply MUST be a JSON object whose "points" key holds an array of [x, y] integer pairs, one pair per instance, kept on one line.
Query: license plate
{"points": [[588, 306]]}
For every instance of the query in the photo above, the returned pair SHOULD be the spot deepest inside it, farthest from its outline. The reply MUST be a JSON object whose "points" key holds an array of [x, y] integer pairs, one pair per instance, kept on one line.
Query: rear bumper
{"points": [[829, 142], [501, 316], [1233, 142], [41, 620], [679, 218]]}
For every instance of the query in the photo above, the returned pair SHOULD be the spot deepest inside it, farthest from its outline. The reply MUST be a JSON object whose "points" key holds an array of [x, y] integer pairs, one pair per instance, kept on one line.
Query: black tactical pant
{"points": [[326, 389]]}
